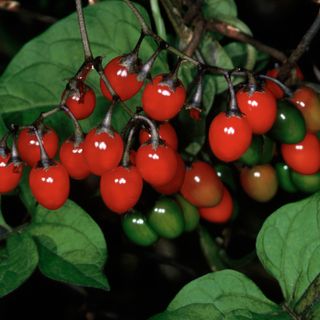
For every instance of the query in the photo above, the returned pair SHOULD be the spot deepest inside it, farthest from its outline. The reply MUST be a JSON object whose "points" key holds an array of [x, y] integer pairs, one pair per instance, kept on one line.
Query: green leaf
{"points": [[71, 246], [18, 259], [25, 193], [288, 246], [227, 291], [217, 8], [36, 77]]}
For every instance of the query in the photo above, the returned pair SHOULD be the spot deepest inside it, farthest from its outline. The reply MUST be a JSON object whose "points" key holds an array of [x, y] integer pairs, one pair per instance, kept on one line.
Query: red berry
{"points": [[72, 158], [260, 108], [303, 157], [121, 188], [166, 133], [201, 186], [174, 185], [273, 87], [10, 174], [50, 186], [124, 83], [157, 166], [308, 102], [160, 101], [28, 145], [229, 136], [222, 212], [102, 151], [82, 103]]}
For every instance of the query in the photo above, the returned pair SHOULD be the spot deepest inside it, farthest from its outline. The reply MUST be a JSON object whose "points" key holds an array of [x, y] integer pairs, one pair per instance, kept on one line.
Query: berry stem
{"points": [[106, 124], [195, 100], [83, 32], [43, 115], [14, 151], [44, 158], [125, 162], [233, 108], [155, 139], [78, 133]]}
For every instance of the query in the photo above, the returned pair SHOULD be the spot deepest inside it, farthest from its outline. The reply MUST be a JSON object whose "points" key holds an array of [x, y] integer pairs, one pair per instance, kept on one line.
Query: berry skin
{"points": [[102, 151], [157, 166], [160, 101], [222, 212], [166, 133], [10, 174], [259, 182], [229, 136], [137, 229], [174, 185], [124, 83], [50, 186], [72, 158], [308, 102], [260, 108], [121, 188], [166, 218], [303, 157], [201, 185], [82, 104], [28, 145]]}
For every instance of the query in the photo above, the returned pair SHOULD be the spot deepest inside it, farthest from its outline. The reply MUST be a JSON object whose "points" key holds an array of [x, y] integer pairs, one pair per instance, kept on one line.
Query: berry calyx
{"points": [[121, 188], [230, 136], [163, 98]]}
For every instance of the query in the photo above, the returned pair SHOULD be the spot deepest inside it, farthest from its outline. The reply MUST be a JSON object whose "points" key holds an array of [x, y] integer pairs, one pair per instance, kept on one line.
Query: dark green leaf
{"points": [[35, 79], [25, 193], [71, 246], [227, 291], [217, 8], [18, 259], [288, 245]]}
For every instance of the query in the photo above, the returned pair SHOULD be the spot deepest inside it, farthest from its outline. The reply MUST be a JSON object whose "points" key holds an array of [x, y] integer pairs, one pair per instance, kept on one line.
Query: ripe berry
{"points": [[50, 185], [273, 87], [102, 151], [308, 102], [303, 157], [222, 212], [156, 165], [163, 99], [260, 108], [10, 174], [82, 101], [174, 185], [72, 158], [229, 136], [201, 185], [121, 188], [259, 182], [28, 145], [166, 133], [122, 78]]}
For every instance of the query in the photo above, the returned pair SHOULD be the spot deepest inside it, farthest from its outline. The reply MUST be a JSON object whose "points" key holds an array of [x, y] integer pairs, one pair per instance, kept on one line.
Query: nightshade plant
{"points": [[123, 77]]}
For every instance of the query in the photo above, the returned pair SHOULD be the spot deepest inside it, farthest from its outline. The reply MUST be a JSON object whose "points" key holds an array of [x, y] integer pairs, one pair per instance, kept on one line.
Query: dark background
{"points": [[143, 280]]}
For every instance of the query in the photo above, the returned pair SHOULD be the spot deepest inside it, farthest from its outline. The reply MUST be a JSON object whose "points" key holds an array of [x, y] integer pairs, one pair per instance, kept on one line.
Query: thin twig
{"points": [[83, 31]]}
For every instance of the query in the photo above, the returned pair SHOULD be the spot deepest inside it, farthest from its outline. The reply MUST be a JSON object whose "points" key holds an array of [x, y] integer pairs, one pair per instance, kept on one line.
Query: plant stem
{"points": [[160, 26], [44, 158], [286, 90], [233, 106], [233, 32], [126, 154], [83, 31], [300, 49]]}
